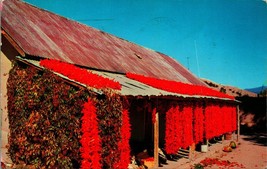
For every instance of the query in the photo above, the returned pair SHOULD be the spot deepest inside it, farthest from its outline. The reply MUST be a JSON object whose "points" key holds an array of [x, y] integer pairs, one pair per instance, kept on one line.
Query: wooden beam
{"points": [[13, 43], [192, 151], [156, 141]]}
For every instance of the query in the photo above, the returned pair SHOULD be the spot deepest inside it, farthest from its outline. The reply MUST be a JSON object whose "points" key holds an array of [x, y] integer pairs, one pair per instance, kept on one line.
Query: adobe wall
{"points": [[8, 53]]}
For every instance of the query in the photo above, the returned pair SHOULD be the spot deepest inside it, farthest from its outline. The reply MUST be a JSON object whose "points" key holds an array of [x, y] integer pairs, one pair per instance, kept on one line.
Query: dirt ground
{"points": [[251, 153]]}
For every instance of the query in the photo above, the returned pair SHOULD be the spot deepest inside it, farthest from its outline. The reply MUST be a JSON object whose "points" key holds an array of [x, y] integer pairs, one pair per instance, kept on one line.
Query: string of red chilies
{"points": [[187, 127], [123, 145], [173, 138], [179, 128], [90, 141], [80, 75], [219, 120], [189, 123], [198, 123], [178, 87]]}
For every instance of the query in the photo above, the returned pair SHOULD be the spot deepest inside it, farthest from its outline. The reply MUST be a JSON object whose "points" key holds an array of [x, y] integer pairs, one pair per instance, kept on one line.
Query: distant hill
{"points": [[257, 89], [230, 90]]}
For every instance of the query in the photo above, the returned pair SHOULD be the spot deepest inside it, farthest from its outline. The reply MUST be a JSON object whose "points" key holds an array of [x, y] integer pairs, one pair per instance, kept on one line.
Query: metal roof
{"points": [[129, 87], [44, 34]]}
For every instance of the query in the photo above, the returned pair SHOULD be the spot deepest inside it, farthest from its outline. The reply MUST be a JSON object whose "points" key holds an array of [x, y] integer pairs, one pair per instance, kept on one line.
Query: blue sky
{"points": [[221, 40]]}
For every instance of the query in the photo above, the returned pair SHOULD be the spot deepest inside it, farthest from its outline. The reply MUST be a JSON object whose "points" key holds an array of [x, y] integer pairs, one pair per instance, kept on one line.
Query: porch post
{"points": [[156, 141]]}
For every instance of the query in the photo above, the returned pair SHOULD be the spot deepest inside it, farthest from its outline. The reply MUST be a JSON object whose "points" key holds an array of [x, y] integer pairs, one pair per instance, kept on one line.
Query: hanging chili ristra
{"points": [[198, 123], [90, 141], [187, 117], [170, 132], [123, 145]]}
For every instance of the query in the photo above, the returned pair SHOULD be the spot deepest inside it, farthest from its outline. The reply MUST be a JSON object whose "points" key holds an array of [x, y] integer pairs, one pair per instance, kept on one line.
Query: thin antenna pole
{"points": [[197, 59]]}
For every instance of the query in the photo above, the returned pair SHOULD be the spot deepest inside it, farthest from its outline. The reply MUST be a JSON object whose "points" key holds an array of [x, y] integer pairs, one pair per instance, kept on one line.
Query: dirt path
{"points": [[251, 153]]}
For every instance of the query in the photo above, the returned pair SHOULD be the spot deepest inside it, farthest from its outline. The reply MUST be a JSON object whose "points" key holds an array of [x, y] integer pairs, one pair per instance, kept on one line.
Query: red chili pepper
{"points": [[80, 75]]}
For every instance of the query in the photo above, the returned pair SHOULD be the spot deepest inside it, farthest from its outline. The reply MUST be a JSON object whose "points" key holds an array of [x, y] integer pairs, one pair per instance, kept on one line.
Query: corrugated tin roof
{"points": [[44, 34], [129, 87]]}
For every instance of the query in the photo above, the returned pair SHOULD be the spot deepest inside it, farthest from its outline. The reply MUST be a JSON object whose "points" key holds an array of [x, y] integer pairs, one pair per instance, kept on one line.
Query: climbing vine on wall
{"points": [[44, 115], [109, 111]]}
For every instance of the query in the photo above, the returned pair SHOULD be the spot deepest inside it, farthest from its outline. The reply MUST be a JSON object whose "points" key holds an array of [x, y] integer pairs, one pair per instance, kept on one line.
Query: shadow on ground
{"points": [[255, 127], [254, 134], [257, 138]]}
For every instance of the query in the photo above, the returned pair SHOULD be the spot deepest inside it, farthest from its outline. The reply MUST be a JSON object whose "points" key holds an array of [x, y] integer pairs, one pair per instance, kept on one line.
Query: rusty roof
{"points": [[41, 33]]}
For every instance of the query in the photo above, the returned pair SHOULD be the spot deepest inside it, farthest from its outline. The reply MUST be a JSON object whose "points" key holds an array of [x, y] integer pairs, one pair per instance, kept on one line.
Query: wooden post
{"points": [[189, 154], [192, 151], [238, 124], [156, 141]]}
